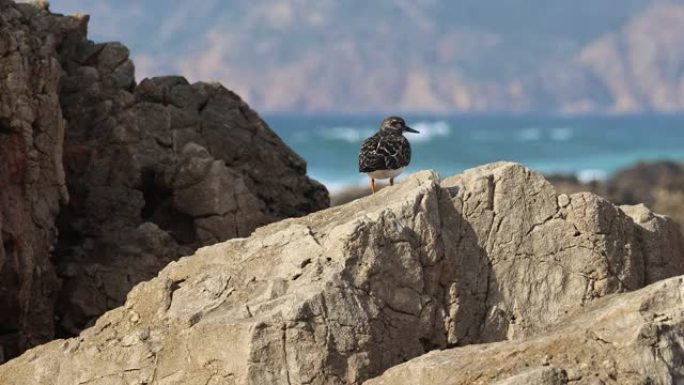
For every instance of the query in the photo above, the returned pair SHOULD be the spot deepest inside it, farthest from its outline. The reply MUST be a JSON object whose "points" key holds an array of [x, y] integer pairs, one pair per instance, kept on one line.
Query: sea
{"points": [[590, 148]]}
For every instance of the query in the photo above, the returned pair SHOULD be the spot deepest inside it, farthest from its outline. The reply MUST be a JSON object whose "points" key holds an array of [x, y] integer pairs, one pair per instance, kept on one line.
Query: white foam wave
{"points": [[347, 134], [561, 134], [531, 134], [430, 130], [591, 175]]}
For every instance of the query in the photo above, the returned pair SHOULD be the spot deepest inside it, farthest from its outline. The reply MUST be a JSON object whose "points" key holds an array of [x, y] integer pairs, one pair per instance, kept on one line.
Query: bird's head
{"points": [[395, 125]]}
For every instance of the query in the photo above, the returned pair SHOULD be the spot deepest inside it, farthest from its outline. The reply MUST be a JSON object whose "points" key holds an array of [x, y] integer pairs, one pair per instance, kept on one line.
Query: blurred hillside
{"points": [[584, 56]]}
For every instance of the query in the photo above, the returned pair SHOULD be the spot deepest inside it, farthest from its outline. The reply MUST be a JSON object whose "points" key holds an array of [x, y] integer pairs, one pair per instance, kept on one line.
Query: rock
{"points": [[341, 295], [74, 123], [32, 181], [660, 245], [631, 338], [541, 259], [658, 185], [636, 184], [541, 376], [191, 158]]}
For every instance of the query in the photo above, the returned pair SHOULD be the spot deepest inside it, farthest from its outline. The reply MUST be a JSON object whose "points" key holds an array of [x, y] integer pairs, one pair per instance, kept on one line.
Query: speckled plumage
{"points": [[388, 151], [385, 154]]}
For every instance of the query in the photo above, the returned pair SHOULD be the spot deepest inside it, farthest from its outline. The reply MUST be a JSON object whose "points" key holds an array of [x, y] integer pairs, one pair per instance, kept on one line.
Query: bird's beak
{"points": [[409, 129]]}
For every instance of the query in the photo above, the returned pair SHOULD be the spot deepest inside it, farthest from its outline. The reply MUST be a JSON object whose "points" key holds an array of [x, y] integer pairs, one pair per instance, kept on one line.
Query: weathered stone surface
{"points": [[661, 247], [72, 118], [341, 295], [658, 185], [548, 254], [32, 181], [191, 158], [627, 339], [541, 376]]}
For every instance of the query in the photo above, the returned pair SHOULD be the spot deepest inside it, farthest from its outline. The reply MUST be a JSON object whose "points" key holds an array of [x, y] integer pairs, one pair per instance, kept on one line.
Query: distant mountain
{"points": [[551, 56]]}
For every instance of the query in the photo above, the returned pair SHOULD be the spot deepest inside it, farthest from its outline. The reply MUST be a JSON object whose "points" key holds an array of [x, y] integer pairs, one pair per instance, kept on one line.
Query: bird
{"points": [[386, 154]]}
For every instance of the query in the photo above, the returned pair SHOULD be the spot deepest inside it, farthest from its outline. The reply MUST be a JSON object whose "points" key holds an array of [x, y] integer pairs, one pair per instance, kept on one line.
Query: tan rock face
{"points": [[154, 170], [548, 254], [341, 295], [658, 185], [632, 338]]}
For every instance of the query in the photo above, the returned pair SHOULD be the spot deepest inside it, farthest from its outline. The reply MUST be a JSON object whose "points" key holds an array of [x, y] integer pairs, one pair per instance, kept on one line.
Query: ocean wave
{"points": [[591, 175], [531, 134], [561, 134], [347, 134], [428, 131]]}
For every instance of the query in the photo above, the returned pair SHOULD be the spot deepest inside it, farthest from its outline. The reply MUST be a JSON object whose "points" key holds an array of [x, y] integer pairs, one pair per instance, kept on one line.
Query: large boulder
{"points": [[183, 166], [341, 295], [153, 171], [626, 339], [548, 254]]}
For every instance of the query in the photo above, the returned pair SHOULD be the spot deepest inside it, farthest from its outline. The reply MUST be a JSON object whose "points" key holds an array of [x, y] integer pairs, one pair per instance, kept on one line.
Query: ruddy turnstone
{"points": [[385, 154]]}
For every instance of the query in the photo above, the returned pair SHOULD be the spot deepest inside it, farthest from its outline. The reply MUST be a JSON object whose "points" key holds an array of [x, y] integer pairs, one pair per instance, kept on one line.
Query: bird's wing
{"points": [[369, 159], [388, 152], [405, 158]]}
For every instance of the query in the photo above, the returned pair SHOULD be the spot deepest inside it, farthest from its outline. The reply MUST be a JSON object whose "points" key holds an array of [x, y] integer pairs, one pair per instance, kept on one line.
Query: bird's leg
{"points": [[372, 183], [391, 181]]}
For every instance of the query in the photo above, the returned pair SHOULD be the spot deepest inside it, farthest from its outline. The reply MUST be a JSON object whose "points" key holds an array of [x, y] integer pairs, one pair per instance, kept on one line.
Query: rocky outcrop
{"points": [[634, 338], [341, 295], [548, 254], [184, 165], [658, 185], [32, 181], [153, 171]]}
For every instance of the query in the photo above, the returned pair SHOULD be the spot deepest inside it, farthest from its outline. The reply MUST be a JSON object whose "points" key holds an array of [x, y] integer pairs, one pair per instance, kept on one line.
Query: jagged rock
{"points": [[632, 338], [341, 295], [658, 185], [193, 159], [548, 254], [661, 247], [32, 181], [135, 165], [122, 158]]}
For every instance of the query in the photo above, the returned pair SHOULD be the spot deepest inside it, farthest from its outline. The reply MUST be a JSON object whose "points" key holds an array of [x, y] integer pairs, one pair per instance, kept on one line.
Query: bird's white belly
{"points": [[385, 174]]}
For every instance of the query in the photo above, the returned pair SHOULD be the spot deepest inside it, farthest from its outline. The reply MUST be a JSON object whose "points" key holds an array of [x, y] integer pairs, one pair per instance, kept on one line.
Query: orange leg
{"points": [[391, 181], [372, 183]]}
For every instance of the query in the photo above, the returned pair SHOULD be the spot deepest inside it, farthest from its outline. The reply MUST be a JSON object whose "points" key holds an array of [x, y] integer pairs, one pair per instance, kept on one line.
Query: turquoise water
{"points": [[591, 148]]}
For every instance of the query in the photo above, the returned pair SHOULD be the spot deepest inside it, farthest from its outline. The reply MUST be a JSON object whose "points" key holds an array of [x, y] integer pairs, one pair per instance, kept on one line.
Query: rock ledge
{"points": [[341, 295]]}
